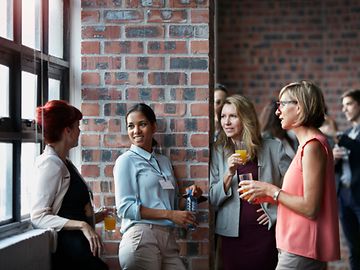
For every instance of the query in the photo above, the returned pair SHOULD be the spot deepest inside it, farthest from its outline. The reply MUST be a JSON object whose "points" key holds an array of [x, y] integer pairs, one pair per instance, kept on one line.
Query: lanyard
{"points": [[159, 172]]}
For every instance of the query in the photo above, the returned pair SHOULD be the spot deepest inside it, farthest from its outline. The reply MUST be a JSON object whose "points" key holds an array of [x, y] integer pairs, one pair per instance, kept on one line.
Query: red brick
{"points": [[200, 46], [90, 16], [90, 78], [144, 63], [121, 78], [90, 47], [90, 109], [166, 47], [199, 109], [101, 94], [199, 140], [162, 16], [199, 78], [154, 94], [169, 109], [114, 125], [124, 47], [167, 78], [91, 124], [90, 140], [199, 171], [100, 62], [180, 171], [200, 16], [100, 32], [90, 170], [188, 4], [108, 171], [116, 140]]}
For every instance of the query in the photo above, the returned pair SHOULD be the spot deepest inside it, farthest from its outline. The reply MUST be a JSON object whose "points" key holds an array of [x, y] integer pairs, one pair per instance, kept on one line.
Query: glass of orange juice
{"points": [[240, 148], [110, 219]]}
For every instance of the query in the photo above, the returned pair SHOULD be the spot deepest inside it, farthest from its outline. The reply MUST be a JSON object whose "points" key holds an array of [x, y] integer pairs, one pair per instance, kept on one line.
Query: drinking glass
{"points": [[240, 148], [242, 177], [110, 219]]}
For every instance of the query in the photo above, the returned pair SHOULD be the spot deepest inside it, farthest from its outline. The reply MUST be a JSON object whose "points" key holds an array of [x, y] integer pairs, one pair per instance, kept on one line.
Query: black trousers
{"points": [[73, 252]]}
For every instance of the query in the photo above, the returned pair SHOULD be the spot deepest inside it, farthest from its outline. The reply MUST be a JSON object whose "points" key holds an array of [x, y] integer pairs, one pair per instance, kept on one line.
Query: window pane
{"points": [[56, 28], [4, 91], [28, 95], [29, 152], [6, 181], [54, 89], [6, 19], [31, 19]]}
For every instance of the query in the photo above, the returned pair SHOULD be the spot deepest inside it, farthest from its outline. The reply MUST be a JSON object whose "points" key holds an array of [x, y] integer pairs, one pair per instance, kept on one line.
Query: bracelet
{"points": [[276, 195]]}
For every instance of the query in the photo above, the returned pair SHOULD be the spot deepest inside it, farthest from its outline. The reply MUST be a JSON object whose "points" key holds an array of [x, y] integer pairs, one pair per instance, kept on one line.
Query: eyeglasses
{"points": [[281, 104]]}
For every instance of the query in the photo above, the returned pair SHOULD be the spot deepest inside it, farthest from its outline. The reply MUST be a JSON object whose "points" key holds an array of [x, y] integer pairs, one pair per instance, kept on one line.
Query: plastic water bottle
{"points": [[191, 205]]}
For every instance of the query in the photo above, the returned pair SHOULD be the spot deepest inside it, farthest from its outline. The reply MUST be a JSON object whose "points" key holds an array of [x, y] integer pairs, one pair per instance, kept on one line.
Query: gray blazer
{"points": [[272, 165]]}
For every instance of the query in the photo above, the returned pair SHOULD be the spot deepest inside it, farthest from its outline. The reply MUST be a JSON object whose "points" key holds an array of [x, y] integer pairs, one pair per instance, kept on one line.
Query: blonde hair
{"points": [[251, 133], [311, 101]]}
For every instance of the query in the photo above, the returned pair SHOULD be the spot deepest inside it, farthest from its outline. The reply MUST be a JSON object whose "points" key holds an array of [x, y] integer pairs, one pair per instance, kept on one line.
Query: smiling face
{"points": [[230, 122], [140, 130], [288, 112], [351, 109]]}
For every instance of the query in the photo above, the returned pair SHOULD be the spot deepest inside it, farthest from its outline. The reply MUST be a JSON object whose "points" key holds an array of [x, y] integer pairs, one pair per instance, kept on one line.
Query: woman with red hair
{"points": [[61, 200]]}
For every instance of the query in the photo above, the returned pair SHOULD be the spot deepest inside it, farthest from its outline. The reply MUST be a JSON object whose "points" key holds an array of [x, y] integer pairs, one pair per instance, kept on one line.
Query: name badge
{"points": [[166, 184]]}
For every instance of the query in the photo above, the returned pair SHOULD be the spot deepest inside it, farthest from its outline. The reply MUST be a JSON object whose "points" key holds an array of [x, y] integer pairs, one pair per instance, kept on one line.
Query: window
{"points": [[34, 68]]}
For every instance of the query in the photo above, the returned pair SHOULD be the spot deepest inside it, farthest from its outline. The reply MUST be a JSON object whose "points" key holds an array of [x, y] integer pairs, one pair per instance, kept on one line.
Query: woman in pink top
{"points": [[307, 232]]}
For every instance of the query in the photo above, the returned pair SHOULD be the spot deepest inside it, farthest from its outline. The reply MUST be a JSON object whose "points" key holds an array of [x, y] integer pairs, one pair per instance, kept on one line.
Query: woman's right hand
{"points": [[182, 218], [93, 238], [233, 162]]}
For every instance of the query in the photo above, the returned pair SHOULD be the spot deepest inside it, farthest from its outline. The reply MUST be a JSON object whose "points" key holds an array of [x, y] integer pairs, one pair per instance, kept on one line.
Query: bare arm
{"points": [[89, 232], [308, 205]]}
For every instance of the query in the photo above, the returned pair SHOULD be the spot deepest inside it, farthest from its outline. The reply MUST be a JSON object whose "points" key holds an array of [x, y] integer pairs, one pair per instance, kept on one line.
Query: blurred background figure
{"points": [[347, 172], [271, 128], [329, 128], [220, 94]]}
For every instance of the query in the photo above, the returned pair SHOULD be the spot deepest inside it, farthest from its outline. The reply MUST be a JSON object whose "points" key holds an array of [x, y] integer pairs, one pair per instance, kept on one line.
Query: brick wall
{"points": [[157, 52], [262, 45]]}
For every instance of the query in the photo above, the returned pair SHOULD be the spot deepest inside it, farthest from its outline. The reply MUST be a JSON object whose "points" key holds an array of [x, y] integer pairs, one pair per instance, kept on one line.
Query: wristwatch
{"points": [[276, 195]]}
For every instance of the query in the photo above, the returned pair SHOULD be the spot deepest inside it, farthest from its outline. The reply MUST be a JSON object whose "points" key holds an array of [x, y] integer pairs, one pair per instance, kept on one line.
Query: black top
{"points": [[76, 197]]}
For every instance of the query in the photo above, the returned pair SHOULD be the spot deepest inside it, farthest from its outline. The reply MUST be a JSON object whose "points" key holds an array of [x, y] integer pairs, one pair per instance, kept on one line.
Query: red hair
{"points": [[54, 117]]}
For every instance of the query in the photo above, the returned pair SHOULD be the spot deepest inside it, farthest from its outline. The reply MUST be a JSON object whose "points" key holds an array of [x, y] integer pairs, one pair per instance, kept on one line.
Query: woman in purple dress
{"points": [[246, 231]]}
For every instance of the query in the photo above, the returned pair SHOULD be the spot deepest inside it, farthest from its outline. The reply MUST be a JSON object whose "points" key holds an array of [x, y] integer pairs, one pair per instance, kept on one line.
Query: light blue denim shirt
{"points": [[136, 176]]}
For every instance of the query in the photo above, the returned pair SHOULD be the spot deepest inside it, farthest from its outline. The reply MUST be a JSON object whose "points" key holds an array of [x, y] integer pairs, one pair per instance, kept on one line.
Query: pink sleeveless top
{"points": [[296, 234]]}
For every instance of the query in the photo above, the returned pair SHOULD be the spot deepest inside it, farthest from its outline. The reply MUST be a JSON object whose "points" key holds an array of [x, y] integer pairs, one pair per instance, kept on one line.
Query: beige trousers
{"points": [[149, 247]]}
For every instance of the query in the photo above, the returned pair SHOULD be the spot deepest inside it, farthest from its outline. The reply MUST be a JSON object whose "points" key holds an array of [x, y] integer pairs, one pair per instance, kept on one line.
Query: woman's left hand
{"points": [[263, 219], [196, 191]]}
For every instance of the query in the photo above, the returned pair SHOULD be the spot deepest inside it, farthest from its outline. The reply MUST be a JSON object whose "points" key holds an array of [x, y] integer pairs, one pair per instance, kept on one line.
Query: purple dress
{"points": [[255, 248]]}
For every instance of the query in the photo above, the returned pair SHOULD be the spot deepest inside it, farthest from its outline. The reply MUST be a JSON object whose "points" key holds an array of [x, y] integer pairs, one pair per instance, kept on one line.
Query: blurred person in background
{"points": [[220, 94], [271, 128], [347, 169]]}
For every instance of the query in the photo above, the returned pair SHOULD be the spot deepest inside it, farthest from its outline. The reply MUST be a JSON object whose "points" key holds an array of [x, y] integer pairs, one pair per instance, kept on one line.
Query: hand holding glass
{"points": [[110, 218], [240, 148], [242, 177]]}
